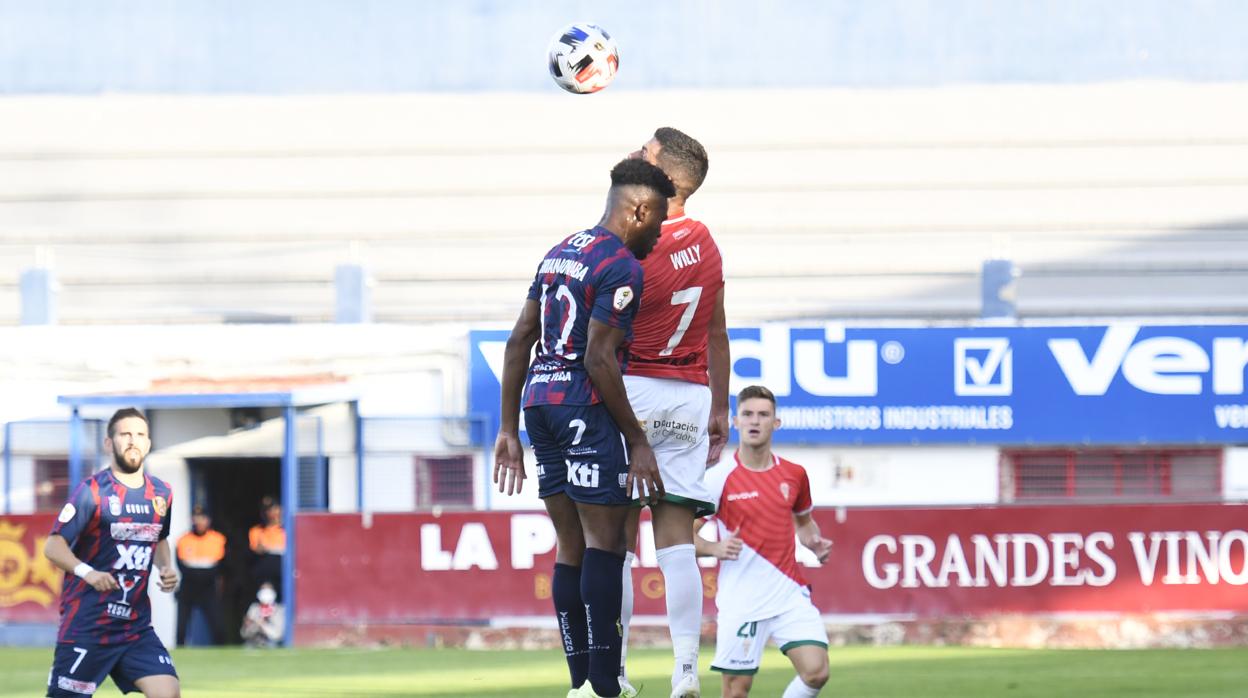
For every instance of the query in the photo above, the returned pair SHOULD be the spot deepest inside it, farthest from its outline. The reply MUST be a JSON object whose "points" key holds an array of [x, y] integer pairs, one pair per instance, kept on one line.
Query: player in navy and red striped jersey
{"points": [[589, 447], [764, 503], [108, 537], [677, 381]]}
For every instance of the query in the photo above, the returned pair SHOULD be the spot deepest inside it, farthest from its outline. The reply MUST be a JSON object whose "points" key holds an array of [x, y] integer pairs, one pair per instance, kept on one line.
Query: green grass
{"points": [[930, 672]]}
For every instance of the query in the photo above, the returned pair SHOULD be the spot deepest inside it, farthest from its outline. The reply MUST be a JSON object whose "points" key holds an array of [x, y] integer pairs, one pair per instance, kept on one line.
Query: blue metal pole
{"points": [[8, 467], [75, 448], [359, 460], [319, 472], [290, 502], [487, 472]]}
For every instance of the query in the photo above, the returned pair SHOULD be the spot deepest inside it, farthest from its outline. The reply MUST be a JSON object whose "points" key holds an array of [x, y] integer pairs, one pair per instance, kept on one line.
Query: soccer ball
{"points": [[583, 58]]}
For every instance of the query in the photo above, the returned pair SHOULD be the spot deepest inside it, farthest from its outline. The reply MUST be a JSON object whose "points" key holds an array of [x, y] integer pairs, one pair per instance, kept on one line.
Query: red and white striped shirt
{"points": [[765, 580]]}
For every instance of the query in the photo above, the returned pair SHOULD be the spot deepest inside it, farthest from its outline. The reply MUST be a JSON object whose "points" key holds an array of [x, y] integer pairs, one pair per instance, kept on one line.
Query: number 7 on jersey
{"points": [[689, 296]]}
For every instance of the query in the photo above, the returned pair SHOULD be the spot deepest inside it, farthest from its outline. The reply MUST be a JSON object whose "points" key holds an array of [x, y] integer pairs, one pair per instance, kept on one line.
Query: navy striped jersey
{"points": [[114, 529], [590, 274]]}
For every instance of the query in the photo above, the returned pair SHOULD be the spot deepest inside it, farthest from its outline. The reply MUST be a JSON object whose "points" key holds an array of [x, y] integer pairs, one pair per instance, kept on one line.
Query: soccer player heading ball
{"points": [[579, 312], [677, 380], [108, 537]]}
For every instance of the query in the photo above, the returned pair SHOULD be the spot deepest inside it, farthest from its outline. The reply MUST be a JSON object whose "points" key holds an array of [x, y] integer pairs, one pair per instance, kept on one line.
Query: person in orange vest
{"points": [[268, 542], [200, 552]]}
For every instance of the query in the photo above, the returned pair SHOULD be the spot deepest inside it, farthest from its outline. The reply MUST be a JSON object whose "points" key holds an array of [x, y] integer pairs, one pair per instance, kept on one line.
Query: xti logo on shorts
{"points": [[583, 474]]}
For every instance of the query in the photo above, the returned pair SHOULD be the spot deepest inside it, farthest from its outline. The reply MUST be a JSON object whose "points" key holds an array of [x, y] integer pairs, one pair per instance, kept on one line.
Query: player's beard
{"points": [[119, 457]]}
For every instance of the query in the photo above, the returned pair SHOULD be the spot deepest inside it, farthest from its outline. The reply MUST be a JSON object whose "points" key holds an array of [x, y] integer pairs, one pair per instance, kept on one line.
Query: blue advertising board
{"points": [[1085, 384]]}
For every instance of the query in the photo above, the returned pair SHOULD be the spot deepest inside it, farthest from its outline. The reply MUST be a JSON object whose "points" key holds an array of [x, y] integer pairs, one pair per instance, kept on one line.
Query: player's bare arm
{"points": [[719, 365], [726, 549], [508, 453], [809, 536], [162, 558], [604, 371], [56, 549]]}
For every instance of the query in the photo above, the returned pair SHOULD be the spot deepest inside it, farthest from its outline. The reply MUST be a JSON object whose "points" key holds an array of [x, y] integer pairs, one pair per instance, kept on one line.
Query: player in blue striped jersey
{"points": [[108, 537], [589, 446]]}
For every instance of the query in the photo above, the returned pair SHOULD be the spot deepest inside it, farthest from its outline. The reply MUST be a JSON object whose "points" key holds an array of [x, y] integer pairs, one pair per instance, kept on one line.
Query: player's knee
{"points": [[737, 686], [571, 553], [160, 687], [815, 676]]}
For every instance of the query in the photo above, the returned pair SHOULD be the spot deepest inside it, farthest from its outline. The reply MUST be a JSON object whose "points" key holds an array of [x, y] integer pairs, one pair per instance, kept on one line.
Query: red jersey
{"points": [[684, 275], [765, 580]]}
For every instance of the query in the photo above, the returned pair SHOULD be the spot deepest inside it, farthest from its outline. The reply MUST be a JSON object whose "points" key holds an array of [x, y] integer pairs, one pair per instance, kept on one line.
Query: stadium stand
{"points": [[1118, 199]]}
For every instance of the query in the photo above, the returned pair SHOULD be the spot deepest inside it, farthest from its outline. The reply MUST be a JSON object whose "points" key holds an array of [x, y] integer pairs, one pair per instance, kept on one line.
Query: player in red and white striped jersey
{"points": [[677, 381], [763, 504]]}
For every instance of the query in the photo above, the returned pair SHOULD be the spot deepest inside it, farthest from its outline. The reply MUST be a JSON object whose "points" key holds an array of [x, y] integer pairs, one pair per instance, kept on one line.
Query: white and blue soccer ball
{"points": [[583, 58]]}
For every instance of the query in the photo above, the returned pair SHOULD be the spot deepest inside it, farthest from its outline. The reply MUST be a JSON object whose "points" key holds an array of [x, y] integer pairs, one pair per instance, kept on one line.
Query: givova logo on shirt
{"points": [[133, 557]]}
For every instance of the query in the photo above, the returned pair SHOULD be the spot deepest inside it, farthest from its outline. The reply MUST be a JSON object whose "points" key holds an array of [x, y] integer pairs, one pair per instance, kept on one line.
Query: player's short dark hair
{"points": [[684, 157], [754, 391], [637, 172], [126, 413]]}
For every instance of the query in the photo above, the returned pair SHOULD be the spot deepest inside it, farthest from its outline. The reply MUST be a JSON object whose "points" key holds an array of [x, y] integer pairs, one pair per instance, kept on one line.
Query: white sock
{"points": [[626, 611], [798, 689], [683, 579]]}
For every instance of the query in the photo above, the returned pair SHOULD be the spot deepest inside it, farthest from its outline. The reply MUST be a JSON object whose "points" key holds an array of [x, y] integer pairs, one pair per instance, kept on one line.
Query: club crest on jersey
{"points": [[160, 505], [784, 490], [623, 296], [114, 505]]}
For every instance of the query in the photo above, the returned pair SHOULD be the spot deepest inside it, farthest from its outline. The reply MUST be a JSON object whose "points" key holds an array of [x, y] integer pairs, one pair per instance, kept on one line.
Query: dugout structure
{"points": [[289, 401]]}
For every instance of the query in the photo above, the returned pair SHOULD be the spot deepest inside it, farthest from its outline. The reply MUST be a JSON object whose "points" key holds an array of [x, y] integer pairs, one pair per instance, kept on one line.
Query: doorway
{"points": [[230, 490]]}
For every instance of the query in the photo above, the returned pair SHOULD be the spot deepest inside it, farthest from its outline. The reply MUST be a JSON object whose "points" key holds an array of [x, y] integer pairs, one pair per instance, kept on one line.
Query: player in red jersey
{"points": [[111, 533], [763, 501], [677, 380]]}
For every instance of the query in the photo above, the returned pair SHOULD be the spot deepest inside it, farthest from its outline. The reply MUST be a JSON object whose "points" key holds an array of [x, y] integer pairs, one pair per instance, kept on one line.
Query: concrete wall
{"points": [[170, 427], [826, 204]]}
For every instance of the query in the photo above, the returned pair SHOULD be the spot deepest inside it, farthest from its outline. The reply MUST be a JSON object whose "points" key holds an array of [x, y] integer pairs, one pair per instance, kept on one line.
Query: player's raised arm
{"points": [[719, 364], [604, 370], [508, 453]]}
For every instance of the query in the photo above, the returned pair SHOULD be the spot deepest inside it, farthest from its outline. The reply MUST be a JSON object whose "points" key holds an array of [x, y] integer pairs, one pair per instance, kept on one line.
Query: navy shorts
{"points": [[79, 669], [580, 452]]}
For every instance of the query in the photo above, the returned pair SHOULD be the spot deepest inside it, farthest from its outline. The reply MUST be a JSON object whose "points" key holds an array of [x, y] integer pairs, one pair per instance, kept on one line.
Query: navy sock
{"points": [[565, 591], [602, 589]]}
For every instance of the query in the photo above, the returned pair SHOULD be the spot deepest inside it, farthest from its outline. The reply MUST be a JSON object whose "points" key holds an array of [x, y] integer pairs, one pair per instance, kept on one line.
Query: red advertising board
{"points": [[30, 586], [414, 568]]}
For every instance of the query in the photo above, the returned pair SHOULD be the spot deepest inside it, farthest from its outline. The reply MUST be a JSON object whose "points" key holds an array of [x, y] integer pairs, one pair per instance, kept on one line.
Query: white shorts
{"points": [[739, 644], [675, 415]]}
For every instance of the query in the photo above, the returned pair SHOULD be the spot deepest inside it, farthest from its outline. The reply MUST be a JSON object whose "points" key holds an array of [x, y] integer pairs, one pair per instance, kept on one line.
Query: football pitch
{"points": [[856, 671]]}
